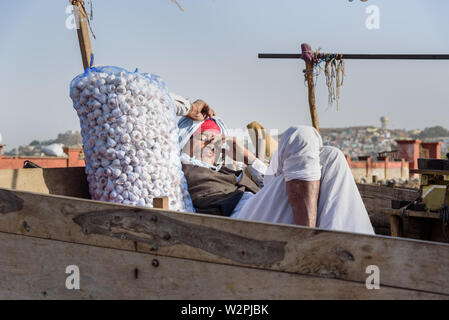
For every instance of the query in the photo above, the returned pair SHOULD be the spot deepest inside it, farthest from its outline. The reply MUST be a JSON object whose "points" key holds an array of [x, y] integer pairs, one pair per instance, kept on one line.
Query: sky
{"points": [[209, 51]]}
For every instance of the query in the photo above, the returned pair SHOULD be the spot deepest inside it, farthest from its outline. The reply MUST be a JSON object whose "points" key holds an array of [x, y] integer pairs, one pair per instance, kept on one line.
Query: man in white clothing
{"points": [[306, 183]]}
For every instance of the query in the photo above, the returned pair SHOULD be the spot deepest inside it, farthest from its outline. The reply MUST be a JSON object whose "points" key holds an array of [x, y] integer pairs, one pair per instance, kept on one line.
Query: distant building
{"points": [[73, 158], [384, 122]]}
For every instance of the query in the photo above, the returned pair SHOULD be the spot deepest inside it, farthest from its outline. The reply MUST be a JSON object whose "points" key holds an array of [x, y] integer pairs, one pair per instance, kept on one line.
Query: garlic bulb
{"points": [[130, 138]]}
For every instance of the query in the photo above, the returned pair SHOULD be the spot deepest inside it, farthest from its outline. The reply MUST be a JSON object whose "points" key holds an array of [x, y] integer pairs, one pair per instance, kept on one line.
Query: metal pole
{"points": [[310, 58], [360, 56]]}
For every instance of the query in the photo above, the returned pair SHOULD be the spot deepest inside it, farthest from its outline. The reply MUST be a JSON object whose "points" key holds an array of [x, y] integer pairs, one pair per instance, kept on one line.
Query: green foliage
{"points": [[35, 143], [432, 132], [68, 138], [47, 142]]}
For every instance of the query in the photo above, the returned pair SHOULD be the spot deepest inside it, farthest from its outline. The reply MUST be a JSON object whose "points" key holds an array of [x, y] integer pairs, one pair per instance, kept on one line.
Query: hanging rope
{"points": [[334, 71], [179, 6], [91, 13]]}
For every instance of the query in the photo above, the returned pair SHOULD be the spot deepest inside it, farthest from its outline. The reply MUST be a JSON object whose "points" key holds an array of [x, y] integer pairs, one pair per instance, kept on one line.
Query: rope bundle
{"points": [[335, 73], [334, 70]]}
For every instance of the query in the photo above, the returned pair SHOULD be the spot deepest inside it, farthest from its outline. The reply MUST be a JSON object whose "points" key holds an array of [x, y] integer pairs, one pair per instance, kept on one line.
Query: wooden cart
{"points": [[124, 252]]}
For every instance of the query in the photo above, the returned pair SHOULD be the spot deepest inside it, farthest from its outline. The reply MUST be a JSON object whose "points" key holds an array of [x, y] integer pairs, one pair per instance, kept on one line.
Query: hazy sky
{"points": [[210, 52]]}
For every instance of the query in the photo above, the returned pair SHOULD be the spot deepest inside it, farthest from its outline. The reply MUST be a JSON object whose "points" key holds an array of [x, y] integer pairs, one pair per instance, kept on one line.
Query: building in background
{"points": [[74, 157]]}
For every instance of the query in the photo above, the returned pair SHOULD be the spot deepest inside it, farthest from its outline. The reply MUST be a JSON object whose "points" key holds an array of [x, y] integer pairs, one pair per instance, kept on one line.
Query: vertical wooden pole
{"points": [[307, 56], [312, 103], [395, 226], [83, 32]]}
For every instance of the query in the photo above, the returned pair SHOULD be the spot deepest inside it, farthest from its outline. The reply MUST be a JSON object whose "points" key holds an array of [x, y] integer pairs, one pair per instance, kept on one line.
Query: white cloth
{"points": [[257, 170], [301, 155], [187, 128], [182, 105], [186, 159]]}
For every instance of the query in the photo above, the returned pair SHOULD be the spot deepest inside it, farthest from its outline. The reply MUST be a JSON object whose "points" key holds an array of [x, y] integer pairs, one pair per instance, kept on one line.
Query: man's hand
{"points": [[237, 151], [200, 110]]}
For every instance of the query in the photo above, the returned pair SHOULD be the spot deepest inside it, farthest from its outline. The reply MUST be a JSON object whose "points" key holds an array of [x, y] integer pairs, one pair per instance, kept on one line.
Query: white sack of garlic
{"points": [[130, 136]]}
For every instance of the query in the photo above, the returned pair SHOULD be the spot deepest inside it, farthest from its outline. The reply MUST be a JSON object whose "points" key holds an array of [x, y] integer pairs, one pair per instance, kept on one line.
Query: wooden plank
{"points": [[384, 193], [329, 254], [430, 171], [377, 198], [72, 182], [411, 213], [395, 226], [418, 224], [61, 181], [105, 273]]}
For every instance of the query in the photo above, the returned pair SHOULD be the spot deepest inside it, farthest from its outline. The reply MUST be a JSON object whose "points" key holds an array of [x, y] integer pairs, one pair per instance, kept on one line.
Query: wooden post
{"points": [[403, 169], [160, 203], [83, 32], [368, 166], [386, 166], [395, 226], [307, 56]]}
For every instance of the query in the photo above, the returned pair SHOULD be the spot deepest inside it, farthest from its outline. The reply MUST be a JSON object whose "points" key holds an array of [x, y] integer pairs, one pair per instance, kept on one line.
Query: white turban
{"points": [[187, 128]]}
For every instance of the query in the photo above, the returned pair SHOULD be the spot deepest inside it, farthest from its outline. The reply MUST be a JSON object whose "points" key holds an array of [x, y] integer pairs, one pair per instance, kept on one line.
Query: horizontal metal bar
{"points": [[362, 56]]}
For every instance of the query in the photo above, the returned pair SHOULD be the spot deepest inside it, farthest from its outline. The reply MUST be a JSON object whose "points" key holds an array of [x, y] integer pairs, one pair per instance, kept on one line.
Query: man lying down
{"points": [[306, 183]]}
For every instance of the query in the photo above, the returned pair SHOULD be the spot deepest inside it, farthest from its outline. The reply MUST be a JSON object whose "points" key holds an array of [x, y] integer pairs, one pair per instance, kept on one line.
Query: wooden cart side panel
{"points": [[405, 264], [37, 271], [72, 182], [60, 181]]}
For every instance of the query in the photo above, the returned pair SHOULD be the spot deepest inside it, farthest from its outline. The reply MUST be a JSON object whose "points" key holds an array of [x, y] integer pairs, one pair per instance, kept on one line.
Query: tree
{"points": [[432, 132], [34, 143]]}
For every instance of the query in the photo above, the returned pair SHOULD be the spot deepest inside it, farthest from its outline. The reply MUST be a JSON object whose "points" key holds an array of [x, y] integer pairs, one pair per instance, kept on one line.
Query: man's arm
{"points": [[303, 197], [197, 111]]}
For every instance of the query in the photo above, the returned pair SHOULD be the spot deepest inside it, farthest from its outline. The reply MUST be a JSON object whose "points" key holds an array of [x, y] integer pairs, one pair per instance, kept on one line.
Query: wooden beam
{"points": [[284, 248], [430, 172], [27, 272], [83, 32], [411, 213]]}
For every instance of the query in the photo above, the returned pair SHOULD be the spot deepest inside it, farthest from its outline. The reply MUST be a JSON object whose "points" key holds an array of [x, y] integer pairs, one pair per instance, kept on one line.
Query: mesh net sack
{"points": [[130, 138]]}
